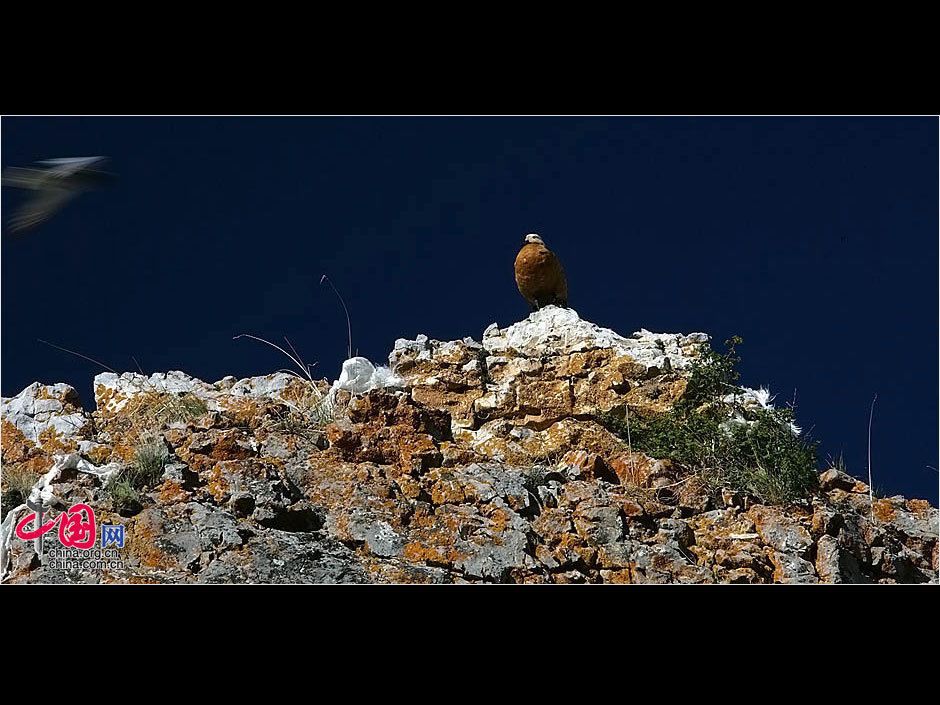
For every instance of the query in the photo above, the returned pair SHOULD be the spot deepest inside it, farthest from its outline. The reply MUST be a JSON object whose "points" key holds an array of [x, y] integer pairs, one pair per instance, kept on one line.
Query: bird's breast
{"points": [[533, 257]]}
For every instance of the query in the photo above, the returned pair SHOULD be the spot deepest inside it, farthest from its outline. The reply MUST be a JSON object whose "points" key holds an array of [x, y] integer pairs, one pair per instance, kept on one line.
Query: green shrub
{"points": [[728, 445], [713, 375]]}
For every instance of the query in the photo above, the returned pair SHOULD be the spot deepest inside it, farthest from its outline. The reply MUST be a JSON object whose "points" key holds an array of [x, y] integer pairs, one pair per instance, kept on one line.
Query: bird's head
{"points": [[534, 239]]}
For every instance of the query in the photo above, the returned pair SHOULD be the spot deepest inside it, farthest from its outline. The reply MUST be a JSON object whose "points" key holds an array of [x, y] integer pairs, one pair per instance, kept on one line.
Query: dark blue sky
{"points": [[815, 239]]}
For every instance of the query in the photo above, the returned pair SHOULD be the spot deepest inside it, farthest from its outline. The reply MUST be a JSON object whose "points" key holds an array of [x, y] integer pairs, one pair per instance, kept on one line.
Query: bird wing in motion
{"points": [[19, 177], [62, 168], [55, 185], [40, 207]]}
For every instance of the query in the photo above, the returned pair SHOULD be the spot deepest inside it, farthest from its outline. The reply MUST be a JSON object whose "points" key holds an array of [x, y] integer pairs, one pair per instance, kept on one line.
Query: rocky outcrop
{"points": [[463, 461]]}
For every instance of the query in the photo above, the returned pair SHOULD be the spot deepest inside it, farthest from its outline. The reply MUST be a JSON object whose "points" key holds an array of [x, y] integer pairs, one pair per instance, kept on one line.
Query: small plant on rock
{"points": [[730, 437], [150, 458], [149, 461], [312, 408], [124, 498], [180, 408], [17, 483]]}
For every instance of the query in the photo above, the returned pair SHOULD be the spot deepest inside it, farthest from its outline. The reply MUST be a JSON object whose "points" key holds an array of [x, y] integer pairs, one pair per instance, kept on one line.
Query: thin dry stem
{"points": [[293, 359], [326, 279], [871, 491], [77, 354]]}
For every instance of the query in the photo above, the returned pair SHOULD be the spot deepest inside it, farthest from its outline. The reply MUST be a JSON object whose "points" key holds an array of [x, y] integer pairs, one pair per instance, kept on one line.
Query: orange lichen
{"points": [[99, 454], [418, 552], [52, 442], [36, 465], [141, 543], [618, 577], [218, 484], [447, 492], [172, 492], [104, 396], [919, 507], [884, 510], [15, 445]]}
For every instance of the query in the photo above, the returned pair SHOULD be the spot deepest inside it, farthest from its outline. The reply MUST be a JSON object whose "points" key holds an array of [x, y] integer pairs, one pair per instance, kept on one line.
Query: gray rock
{"points": [[27, 560], [380, 538], [793, 569], [180, 474], [285, 557], [242, 504], [220, 528], [826, 521], [676, 530], [835, 564], [599, 524], [489, 482], [918, 531], [185, 546], [833, 479], [856, 536], [491, 556], [779, 531], [897, 562], [616, 555], [667, 563]]}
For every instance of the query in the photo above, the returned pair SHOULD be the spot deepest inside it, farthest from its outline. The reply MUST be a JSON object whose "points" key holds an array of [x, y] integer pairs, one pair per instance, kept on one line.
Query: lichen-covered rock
{"points": [[48, 415], [41, 421], [462, 462], [780, 531], [790, 568]]}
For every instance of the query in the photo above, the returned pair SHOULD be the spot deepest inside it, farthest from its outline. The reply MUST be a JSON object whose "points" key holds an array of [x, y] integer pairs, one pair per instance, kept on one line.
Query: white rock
{"points": [[40, 407], [471, 367], [68, 424], [359, 376], [126, 386], [268, 386], [129, 384], [560, 331]]}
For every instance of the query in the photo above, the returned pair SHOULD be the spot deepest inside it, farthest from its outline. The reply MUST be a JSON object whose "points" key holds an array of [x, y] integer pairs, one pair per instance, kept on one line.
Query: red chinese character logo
{"points": [[30, 534], [76, 527], [76, 531]]}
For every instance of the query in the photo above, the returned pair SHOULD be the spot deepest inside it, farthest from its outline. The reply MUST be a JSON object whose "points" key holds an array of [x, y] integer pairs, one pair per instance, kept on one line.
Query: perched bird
{"points": [[539, 275], [55, 184]]}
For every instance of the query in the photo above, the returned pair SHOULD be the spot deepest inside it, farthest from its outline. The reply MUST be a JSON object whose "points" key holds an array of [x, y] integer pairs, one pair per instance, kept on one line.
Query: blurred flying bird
{"points": [[55, 182]]}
